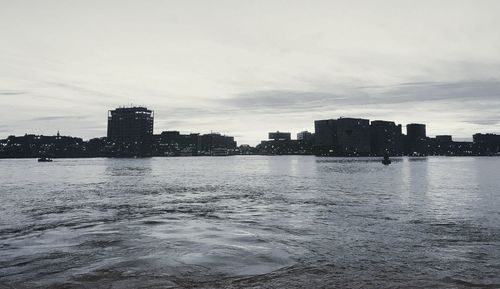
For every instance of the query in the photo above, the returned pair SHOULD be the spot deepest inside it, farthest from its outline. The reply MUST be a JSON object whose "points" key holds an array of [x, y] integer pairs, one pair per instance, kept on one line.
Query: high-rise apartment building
{"points": [[130, 129]]}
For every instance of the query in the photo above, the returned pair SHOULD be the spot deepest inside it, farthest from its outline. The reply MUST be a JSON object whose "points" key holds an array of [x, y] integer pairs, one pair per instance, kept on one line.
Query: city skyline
{"points": [[130, 134], [222, 65], [292, 133]]}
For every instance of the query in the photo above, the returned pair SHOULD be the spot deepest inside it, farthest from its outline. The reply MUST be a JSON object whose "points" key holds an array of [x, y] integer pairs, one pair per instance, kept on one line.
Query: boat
{"points": [[386, 160], [44, 160]]}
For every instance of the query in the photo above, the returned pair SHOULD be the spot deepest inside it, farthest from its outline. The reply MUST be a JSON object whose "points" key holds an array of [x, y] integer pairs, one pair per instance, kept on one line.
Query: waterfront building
{"points": [[130, 130], [35, 146], [443, 145], [385, 138], [487, 144], [416, 139], [173, 143], [214, 143], [284, 147], [353, 136], [325, 136], [343, 137]]}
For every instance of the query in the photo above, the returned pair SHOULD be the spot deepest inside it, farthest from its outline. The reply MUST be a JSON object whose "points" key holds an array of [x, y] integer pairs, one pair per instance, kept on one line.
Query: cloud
{"points": [[60, 117], [12, 92], [484, 121], [82, 90], [289, 100]]}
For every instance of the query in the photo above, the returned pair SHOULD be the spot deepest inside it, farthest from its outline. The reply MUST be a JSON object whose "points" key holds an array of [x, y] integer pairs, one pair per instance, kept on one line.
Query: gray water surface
{"points": [[250, 221]]}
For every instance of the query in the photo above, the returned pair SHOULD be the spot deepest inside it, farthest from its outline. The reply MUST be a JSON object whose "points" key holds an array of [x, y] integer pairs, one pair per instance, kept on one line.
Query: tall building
{"points": [[353, 136], [487, 144], [416, 131], [385, 138], [416, 139], [343, 136], [130, 129], [325, 136]]}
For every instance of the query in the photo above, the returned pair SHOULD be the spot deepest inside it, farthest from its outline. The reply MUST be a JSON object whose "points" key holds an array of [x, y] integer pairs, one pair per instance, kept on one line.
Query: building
{"points": [[35, 146], [325, 136], [487, 144], [416, 139], [173, 143], [342, 137], [305, 135], [279, 135], [416, 131], [284, 147], [130, 130], [385, 138], [443, 145], [444, 138], [353, 137], [215, 142]]}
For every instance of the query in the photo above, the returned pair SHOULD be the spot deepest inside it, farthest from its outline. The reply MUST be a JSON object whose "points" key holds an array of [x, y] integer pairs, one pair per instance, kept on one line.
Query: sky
{"points": [[246, 68]]}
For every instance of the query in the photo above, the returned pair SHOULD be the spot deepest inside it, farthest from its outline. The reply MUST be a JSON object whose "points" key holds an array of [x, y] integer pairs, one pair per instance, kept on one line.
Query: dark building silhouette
{"points": [[325, 136], [130, 134], [280, 135], [35, 146], [285, 147], [305, 135], [130, 130], [416, 137], [353, 136], [416, 131], [443, 145], [343, 137], [217, 144], [385, 138], [173, 143], [444, 138], [487, 144]]}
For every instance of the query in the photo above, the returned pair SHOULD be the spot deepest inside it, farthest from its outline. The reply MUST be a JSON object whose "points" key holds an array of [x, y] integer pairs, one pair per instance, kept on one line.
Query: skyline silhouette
{"points": [[130, 133]]}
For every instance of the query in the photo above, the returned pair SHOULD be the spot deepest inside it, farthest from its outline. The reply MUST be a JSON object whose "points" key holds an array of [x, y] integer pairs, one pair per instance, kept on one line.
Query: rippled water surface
{"points": [[256, 221]]}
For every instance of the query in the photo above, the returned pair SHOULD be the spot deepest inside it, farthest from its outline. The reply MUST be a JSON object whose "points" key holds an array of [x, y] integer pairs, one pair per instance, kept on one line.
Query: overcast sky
{"points": [[248, 67]]}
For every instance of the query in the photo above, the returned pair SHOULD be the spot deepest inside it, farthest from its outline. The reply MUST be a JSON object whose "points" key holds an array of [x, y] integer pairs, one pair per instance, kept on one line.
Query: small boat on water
{"points": [[44, 160], [386, 160]]}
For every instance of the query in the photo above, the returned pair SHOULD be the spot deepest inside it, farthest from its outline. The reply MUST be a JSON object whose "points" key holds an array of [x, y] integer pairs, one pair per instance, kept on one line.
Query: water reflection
{"points": [[278, 221], [128, 167]]}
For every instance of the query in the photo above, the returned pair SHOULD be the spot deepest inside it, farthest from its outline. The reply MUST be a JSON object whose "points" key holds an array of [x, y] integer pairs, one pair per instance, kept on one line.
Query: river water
{"points": [[250, 221]]}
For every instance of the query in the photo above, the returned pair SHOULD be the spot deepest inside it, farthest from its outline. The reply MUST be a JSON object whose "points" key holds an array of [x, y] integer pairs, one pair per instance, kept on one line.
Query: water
{"points": [[250, 221]]}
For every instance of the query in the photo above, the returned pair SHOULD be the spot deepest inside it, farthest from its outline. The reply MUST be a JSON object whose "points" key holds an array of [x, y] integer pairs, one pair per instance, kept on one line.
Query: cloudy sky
{"points": [[248, 67]]}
